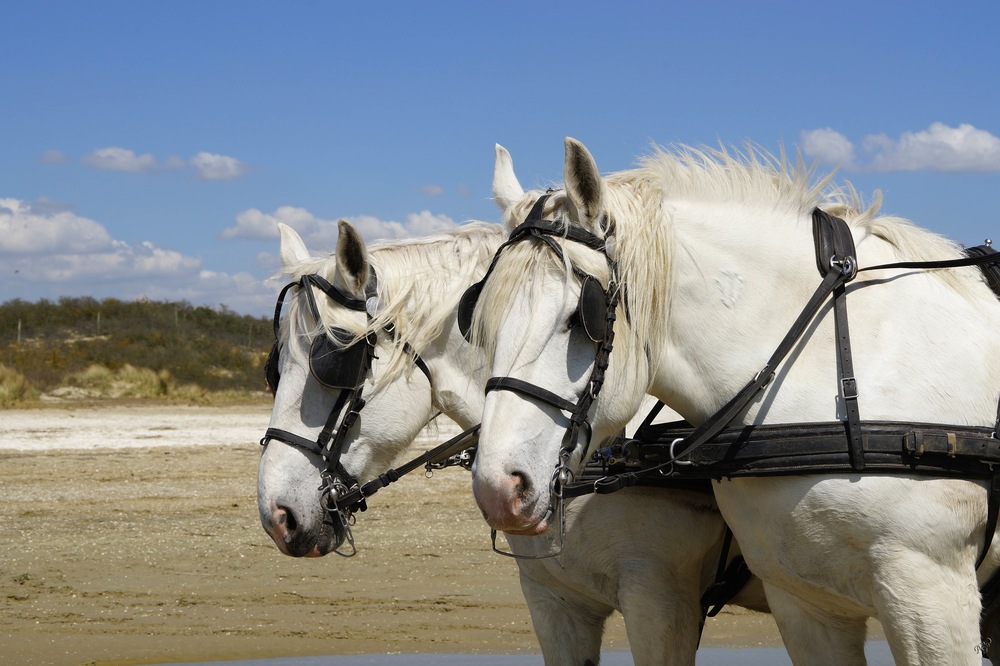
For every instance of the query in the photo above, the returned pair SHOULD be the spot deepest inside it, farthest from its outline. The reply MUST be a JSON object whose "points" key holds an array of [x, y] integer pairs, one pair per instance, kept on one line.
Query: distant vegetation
{"points": [[89, 349]]}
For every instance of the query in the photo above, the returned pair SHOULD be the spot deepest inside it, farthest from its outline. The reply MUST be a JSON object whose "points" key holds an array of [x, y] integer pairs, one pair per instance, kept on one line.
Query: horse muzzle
{"points": [[512, 505], [291, 538]]}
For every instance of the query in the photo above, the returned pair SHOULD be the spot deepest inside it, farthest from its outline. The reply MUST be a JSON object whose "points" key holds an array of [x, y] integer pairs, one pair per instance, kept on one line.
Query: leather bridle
{"points": [[340, 492], [579, 430]]}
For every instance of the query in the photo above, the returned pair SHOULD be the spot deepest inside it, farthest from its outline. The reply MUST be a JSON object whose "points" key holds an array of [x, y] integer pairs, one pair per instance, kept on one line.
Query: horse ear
{"points": [[506, 190], [352, 257], [293, 250], [583, 182]]}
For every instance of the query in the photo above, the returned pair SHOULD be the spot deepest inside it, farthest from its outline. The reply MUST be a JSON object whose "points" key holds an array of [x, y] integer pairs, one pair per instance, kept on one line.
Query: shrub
{"points": [[133, 349], [13, 386]]}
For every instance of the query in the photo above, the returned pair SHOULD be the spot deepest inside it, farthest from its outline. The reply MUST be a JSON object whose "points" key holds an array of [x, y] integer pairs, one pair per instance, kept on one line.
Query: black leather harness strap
{"points": [[812, 448], [730, 578], [835, 249], [721, 419], [547, 231], [838, 272], [531, 390], [991, 271], [338, 482], [992, 515], [837, 262]]}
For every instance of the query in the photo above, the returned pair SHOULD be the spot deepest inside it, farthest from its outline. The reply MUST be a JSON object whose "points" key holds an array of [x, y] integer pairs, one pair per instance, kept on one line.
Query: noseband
{"points": [[595, 314], [336, 364]]}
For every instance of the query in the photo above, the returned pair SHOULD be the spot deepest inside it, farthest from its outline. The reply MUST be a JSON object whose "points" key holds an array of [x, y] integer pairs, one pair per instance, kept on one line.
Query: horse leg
{"points": [[661, 620], [930, 611], [815, 637], [568, 629]]}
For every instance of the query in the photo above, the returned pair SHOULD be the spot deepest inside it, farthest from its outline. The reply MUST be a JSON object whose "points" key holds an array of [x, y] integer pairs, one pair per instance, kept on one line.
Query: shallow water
{"points": [[877, 652]]}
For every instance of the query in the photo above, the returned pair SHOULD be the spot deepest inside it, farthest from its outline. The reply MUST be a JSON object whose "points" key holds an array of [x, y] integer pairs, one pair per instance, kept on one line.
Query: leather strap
{"points": [[526, 388], [730, 577], [802, 448], [357, 495], [721, 419], [835, 249]]}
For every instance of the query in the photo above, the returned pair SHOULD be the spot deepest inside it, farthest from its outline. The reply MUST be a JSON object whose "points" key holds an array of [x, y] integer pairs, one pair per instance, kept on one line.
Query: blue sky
{"points": [[148, 149]]}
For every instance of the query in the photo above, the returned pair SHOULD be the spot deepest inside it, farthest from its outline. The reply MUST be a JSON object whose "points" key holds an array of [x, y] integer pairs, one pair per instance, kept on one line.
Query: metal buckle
{"points": [[673, 459], [848, 266], [849, 388], [760, 373], [463, 460]]}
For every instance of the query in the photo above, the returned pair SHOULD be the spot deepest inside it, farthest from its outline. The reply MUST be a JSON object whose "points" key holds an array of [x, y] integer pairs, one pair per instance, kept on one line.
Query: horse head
{"points": [[545, 312], [378, 321], [326, 356]]}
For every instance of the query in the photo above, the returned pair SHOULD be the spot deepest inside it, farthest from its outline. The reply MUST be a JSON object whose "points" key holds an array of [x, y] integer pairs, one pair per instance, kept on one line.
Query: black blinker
{"points": [[272, 374], [593, 308], [337, 366], [466, 308]]}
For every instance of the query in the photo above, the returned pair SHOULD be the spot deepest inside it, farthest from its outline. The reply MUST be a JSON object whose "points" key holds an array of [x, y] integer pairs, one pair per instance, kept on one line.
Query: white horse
{"points": [[655, 579], [714, 258]]}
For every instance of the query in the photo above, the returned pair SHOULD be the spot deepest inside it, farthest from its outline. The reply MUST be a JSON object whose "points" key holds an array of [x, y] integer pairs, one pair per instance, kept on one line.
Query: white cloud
{"points": [[27, 231], [206, 166], [372, 227], [258, 225], [938, 148], [424, 222], [320, 234], [238, 291], [119, 262], [828, 146], [51, 244], [119, 159], [47, 251], [211, 166]]}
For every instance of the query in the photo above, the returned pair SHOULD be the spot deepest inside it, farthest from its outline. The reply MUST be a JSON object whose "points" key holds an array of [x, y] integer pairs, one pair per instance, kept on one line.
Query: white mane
{"points": [[420, 281]]}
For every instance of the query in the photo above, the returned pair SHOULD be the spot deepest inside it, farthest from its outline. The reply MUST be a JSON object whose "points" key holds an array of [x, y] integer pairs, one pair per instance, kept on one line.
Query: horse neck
{"points": [[459, 378], [738, 277], [737, 290], [456, 367]]}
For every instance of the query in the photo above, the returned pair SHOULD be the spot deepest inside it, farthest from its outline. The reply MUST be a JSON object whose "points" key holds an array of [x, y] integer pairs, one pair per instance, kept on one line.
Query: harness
{"points": [[336, 363], [714, 450]]}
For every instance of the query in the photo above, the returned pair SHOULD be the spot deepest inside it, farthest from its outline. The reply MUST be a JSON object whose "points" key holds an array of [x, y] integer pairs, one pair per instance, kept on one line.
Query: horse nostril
{"points": [[284, 517], [522, 485]]}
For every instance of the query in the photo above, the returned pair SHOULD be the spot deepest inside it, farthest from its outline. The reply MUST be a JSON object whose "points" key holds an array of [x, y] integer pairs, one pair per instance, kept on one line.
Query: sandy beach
{"points": [[133, 538]]}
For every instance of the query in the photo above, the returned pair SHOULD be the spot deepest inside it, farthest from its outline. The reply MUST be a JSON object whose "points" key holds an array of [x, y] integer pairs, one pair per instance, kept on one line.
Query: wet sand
{"points": [[132, 537]]}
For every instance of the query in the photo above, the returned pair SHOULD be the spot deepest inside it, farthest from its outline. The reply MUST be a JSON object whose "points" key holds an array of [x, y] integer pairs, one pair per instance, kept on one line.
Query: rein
{"points": [[435, 458]]}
